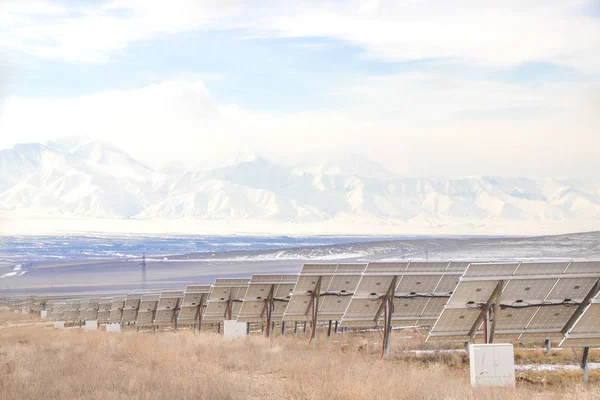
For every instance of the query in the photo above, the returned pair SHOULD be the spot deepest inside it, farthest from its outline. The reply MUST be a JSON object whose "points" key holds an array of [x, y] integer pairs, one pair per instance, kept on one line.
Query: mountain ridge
{"points": [[97, 180]]}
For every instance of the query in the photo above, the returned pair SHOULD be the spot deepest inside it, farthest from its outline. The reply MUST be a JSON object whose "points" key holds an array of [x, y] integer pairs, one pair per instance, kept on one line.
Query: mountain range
{"points": [[79, 178]]}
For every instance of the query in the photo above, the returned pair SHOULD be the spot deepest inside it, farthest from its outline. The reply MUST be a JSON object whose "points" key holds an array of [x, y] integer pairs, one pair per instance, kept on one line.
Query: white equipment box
{"points": [[234, 329], [91, 325], [59, 324], [44, 314], [492, 365], [113, 328]]}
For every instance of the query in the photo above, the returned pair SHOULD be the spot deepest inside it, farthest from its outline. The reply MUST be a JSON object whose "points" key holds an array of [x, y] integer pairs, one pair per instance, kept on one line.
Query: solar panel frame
{"points": [[146, 310], [417, 284], [104, 307], [91, 310], [116, 309], [273, 289], [193, 302], [167, 307], [335, 284], [131, 306], [586, 329], [225, 298]]}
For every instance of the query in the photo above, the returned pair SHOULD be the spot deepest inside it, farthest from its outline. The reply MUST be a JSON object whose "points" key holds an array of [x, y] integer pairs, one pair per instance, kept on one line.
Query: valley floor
{"points": [[39, 362]]}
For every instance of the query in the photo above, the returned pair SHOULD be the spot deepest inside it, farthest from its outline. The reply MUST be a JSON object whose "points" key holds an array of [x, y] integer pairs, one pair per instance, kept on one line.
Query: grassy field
{"points": [[39, 362]]}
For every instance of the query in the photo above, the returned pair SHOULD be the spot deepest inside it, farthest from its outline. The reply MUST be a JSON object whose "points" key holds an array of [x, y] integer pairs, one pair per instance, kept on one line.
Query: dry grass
{"points": [[11, 318], [43, 363]]}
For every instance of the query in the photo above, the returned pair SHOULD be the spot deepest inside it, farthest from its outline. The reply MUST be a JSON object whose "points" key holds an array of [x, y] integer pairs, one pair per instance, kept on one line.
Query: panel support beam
{"points": [[388, 310], [268, 309], [485, 314], [314, 306], [495, 311], [200, 307], [581, 308]]}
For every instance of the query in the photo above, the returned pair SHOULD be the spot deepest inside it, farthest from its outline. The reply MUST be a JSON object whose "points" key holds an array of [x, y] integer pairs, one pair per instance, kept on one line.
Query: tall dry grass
{"points": [[44, 363]]}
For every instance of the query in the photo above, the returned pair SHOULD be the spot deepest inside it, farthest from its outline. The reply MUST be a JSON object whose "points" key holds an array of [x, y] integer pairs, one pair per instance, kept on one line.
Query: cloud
{"points": [[487, 33], [475, 32], [95, 33], [178, 120]]}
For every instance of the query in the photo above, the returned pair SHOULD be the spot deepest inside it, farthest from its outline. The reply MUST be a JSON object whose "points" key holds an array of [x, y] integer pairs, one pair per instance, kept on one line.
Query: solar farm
{"points": [[553, 305]]}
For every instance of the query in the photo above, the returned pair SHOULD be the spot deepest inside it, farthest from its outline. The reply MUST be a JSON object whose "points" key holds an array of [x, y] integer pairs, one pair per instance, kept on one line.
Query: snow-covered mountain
{"points": [[82, 178]]}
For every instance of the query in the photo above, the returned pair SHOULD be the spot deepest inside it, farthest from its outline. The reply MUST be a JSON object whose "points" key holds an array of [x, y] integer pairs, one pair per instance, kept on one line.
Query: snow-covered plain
{"points": [[171, 264], [82, 186]]}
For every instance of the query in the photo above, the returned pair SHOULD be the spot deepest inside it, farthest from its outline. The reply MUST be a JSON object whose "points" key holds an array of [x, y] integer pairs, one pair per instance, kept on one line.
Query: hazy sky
{"points": [[448, 88]]}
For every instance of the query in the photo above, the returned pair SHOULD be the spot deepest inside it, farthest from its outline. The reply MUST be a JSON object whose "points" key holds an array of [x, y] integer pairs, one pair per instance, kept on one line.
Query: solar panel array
{"points": [[530, 300], [466, 301]]}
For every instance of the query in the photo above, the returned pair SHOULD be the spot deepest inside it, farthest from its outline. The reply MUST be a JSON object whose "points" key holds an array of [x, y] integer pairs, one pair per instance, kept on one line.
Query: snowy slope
{"points": [[81, 178]]}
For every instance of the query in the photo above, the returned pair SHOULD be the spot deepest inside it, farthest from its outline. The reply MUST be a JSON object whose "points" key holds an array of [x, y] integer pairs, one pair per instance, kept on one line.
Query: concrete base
{"points": [[59, 324], [113, 328], [234, 329]]}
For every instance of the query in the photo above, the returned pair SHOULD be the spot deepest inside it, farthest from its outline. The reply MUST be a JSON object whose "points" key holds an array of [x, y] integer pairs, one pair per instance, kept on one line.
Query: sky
{"points": [[426, 88]]}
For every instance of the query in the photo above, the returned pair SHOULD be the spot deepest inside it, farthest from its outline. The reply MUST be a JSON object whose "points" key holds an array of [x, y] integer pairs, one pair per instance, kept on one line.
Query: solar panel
{"points": [[74, 310], [38, 304], [104, 306], [145, 316], [192, 305], [91, 311], [521, 301], [326, 287], [586, 328], [58, 310], [168, 305], [130, 307], [420, 292], [225, 300], [66, 311], [83, 308], [116, 309], [267, 299]]}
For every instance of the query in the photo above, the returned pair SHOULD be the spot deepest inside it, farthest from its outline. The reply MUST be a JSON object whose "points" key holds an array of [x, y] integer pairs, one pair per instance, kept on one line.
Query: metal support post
{"points": [[295, 328], [329, 330], [200, 317], [268, 312], [336, 327], [228, 309], [548, 347], [282, 328], [219, 327], [584, 364], [485, 318]]}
